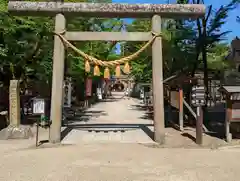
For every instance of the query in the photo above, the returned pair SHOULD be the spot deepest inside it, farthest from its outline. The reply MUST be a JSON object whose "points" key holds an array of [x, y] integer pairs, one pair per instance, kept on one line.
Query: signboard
{"points": [[99, 93], [38, 106], [235, 112], [67, 93], [141, 94], [88, 87], [198, 95]]}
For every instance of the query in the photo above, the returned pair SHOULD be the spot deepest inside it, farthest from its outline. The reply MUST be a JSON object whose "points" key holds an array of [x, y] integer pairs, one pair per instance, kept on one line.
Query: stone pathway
{"points": [[111, 121]]}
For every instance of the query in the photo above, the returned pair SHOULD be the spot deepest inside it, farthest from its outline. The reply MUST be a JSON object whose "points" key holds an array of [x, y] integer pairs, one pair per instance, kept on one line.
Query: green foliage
{"points": [[217, 57], [26, 44], [98, 49], [3, 6], [141, 67]]}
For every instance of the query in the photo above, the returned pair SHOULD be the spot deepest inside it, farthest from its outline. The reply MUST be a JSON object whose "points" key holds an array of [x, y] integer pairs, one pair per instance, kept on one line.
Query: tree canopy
{"points": [[26, 44]]}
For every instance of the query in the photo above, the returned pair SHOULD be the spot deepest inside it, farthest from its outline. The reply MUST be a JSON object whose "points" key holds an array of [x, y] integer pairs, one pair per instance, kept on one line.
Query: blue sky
{"points": [[231, 24]]}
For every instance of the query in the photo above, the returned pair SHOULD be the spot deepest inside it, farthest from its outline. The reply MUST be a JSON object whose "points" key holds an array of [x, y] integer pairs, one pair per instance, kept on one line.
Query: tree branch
{"points": [[35, 51], [209, 13]]}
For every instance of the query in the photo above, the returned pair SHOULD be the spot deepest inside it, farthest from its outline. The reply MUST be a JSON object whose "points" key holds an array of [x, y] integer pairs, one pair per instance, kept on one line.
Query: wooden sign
{"points": [[198, 95], [235, 112], [67, 93]]}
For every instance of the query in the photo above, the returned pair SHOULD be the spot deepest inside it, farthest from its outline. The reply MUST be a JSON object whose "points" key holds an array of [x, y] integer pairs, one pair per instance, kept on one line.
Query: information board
{"points": [[38, 106], [198, 95]]}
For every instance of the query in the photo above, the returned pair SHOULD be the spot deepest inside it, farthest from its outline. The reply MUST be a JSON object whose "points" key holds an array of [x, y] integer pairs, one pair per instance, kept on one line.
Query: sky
{"points": [[231, 24]]}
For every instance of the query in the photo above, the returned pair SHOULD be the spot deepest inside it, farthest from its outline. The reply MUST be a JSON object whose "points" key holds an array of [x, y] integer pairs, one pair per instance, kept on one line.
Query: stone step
{"points": [[106, 130]]}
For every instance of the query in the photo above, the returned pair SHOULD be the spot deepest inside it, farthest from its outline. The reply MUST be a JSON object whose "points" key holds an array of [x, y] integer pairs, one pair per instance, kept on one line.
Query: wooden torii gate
{"points": [[60, 10]]}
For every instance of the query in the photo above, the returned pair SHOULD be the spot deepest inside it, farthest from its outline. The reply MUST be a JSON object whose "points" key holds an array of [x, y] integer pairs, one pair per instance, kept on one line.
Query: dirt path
{"points": [[103, 153], [125, 121], [117, 120], [119, 162]]}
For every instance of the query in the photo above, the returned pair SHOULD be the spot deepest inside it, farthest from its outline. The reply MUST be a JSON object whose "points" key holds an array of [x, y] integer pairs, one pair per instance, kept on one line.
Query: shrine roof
{"points": [[179, 80], [230, 89]]}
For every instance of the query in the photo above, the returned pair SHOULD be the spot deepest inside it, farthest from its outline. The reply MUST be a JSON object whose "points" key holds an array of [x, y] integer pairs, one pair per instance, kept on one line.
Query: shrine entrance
{"points": [[118, 86], [63, 39]]}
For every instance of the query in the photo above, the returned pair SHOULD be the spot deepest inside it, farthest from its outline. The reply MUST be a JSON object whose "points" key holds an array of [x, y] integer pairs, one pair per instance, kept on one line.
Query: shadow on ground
{"points": [[78, 121], [82, 116], [109, 128], [214, 120]]}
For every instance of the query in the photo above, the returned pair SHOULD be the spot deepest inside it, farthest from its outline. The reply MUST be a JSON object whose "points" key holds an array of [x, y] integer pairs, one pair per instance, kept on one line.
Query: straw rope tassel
{"points": [[106, 73], [87, 66], [96, 71], [118, 71], [126, 68]]}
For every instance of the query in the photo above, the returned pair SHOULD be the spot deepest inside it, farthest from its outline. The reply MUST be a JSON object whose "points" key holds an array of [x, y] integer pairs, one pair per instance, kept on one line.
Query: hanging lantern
{"points": [[87, 66], [126, 68], [96, 71], [106, 73], [118, 71]]}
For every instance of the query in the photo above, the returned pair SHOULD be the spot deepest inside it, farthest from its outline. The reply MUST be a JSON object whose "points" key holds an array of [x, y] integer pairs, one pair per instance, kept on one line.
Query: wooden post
{"points": [[57, 82], [67, 93], [199, 123], [170, 105], [227, 119], [157, 76], [181, 109], [14, 103]]}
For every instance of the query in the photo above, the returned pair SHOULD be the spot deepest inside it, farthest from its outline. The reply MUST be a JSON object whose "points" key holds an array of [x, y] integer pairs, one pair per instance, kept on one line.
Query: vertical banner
{"points": [[88, 86]]}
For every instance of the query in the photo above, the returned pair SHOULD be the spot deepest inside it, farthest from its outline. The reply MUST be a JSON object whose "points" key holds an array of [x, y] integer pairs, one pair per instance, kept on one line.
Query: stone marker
{"points": [[14, 103], [15, 130]]}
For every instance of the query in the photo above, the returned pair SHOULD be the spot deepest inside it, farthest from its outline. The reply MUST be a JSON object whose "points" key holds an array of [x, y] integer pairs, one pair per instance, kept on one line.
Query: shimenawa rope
{"points": [[106, 63]]}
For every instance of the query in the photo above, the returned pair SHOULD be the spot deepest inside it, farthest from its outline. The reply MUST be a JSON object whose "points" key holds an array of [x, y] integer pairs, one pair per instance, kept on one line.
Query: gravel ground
{"points": [[103, 117], [115, 160], [119, 162]]}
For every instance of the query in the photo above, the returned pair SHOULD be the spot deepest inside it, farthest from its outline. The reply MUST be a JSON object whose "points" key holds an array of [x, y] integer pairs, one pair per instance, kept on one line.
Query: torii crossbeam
{"points": [[122, 10], [109, 10]]}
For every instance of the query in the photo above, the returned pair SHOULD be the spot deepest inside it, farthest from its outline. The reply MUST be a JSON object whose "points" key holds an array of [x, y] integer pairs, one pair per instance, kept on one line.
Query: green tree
{"points": [[26, 46], [142, 65], [177, 51], [217, 57], [208, 32]]}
